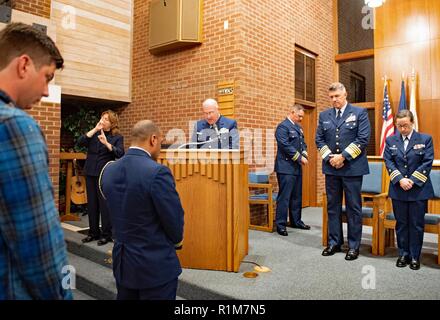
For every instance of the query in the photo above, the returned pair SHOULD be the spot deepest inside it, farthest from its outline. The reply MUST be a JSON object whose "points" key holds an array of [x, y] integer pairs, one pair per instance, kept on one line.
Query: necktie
{"points": [[405, 143], [339, 115]]}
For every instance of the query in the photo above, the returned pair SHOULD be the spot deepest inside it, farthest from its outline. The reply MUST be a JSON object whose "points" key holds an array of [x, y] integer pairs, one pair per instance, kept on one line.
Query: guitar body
{"points": [[78, 193]]}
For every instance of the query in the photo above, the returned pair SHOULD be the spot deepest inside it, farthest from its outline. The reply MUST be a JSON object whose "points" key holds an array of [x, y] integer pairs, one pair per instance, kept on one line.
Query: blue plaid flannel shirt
{"points": [[32, 247]]}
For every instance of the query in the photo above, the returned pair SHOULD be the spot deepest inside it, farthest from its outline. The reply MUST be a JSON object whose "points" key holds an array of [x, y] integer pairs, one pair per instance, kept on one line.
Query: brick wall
{"points": [[257, 52], [37, 7], [48, 117]]}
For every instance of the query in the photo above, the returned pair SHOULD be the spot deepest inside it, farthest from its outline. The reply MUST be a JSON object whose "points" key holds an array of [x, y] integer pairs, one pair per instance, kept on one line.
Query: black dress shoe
{"points": [[414, 264], [352, 254], [282, 232], [104, 241], [402, 261], [89, 239], [331, 250], [302, 226]]}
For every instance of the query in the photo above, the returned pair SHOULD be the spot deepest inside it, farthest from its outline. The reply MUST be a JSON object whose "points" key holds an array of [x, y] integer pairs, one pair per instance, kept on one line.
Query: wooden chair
{"points": [[260, 192], [387, 221], [374, 191]]}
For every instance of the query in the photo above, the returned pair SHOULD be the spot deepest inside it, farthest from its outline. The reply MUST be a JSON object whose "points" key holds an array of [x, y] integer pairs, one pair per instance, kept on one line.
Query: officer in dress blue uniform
{"points": [[408, 157], [342, 137], [215, 131], [291, 156], [147, 217]]}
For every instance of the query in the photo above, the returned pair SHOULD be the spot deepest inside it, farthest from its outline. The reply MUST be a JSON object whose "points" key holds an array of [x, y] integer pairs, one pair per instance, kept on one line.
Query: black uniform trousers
{"points": [[289, 200], [166, 291], [335, 187], [410, 226], [96, 207]]}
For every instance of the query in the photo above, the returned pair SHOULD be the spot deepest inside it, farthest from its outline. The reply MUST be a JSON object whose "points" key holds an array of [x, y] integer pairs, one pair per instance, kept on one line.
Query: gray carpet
{"points": [[300, 272]]}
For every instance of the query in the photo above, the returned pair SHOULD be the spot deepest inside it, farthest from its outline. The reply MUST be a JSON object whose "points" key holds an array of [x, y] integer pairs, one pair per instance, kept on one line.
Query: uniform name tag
{"points": [[419, 146], [351, 118], [223, 130]]}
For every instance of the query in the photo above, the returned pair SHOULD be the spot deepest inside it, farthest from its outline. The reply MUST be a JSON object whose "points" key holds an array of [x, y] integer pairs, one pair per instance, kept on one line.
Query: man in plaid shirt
{"points": [[32, 247]]}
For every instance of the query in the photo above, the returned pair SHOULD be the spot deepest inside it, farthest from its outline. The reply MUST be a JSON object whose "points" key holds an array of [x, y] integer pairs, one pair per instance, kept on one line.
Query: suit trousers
{"points": [[410, 226], [335, 187], [289, 200], [96, 207], [166, 291]]}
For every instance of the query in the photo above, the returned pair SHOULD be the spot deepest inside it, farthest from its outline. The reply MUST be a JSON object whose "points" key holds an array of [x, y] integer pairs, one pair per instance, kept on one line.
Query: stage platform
{"points": [[298, 271]]}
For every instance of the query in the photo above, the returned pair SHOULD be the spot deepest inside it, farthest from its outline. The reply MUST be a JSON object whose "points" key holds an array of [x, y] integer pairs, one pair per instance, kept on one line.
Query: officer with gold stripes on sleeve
{"points": [[341, 138], [291, 157], [408, 157]]}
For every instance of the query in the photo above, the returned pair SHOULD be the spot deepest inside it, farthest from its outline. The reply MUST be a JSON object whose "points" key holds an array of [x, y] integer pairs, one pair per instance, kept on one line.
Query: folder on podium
{"points": [[213, 188]]}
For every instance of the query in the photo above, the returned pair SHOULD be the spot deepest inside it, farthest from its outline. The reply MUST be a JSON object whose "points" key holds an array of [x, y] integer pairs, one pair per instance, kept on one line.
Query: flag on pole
{"points": [[402, 102], [387, 124], [412, 101]]}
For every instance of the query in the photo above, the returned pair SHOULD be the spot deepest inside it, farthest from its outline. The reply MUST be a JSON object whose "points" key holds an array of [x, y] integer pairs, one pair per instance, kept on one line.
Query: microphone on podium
{"points": [[216, 130]]}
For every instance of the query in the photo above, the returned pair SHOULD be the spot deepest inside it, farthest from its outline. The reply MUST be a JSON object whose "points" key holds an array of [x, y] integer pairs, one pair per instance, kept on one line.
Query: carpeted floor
{"points": [[300, 272]]}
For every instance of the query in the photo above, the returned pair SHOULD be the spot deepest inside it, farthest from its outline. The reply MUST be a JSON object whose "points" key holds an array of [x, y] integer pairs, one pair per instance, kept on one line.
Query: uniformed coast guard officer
{"points": [[291, 156], [215, 131], [342, 137], [408, 157]]}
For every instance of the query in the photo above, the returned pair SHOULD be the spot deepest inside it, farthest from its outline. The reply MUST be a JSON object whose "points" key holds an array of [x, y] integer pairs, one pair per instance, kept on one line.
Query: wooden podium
{"points": [[213, 189]]}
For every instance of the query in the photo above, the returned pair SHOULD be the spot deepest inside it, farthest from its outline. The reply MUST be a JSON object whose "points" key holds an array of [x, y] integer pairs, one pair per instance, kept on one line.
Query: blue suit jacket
{"points": [[229, 136], [147, 219], [349, 136], [291, 148], [415, 163], [98, 154]]}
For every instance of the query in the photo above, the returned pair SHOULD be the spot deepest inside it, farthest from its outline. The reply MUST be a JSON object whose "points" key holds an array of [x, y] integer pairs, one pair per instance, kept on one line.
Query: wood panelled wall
{"points": [[97, 47], [407, 36]]}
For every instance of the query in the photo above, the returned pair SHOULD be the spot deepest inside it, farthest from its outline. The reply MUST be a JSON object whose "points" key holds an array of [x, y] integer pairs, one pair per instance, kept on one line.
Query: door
{"points": [[309, 171]]}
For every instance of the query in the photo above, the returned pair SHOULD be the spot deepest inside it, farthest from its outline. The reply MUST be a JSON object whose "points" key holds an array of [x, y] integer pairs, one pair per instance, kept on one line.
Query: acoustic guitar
{"points": [[78, 193]]}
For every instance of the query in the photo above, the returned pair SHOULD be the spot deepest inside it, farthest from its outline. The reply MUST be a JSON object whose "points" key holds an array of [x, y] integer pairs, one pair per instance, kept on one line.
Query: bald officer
{"points": [[215, 131]]}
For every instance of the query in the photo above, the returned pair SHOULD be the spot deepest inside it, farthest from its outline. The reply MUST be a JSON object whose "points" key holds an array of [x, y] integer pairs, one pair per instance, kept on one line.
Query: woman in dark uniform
{"points": [[408, 157], [104, 144]]}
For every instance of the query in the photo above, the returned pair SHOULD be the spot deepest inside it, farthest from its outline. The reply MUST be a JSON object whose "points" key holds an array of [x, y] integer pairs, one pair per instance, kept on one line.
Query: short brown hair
{"points": [[296, 108], [336, 86], [19, 38], [114, 121]]}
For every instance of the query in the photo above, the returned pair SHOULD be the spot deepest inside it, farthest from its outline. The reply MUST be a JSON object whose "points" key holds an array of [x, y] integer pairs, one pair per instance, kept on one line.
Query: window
{"points": [[355, 57], [354, 35], [305, 86], [357, 88]]}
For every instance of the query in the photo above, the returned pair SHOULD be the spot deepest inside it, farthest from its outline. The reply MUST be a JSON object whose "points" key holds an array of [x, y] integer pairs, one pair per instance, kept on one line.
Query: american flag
{"points": [[388, 124]]}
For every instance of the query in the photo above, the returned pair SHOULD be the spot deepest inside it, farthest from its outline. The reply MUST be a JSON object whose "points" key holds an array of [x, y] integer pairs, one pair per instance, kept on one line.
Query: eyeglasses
{"points": [[404, 126]]}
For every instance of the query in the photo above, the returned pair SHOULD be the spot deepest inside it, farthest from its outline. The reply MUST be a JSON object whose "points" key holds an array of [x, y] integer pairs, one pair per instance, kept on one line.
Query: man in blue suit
{"points": [[147, 216], [215, 131], [291, 156], [408, 157], [342, 137]]}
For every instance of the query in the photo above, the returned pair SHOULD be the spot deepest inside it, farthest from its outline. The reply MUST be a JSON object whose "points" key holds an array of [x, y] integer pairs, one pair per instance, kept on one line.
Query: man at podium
{"points": [[215, 131]]}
